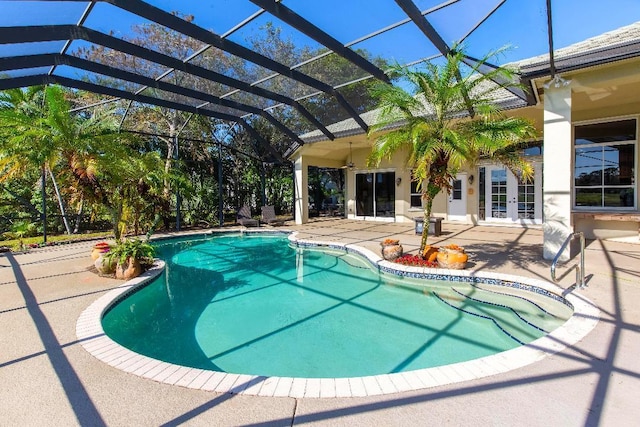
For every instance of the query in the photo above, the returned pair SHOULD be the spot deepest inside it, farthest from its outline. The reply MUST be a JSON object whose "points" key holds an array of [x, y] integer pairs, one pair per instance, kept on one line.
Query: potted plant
{"points": [[103, 263], [130, 255], [99, 249], [452, 256], [391, 249]]}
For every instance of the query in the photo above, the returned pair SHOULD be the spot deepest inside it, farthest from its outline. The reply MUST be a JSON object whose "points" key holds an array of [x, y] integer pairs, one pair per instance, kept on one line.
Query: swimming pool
{"points": [[254, 306]]}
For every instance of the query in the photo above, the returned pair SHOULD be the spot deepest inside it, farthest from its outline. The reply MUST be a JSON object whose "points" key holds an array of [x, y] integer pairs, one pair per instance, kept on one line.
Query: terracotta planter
{"points": [[455, 259], [97, 251], [430, 253], [130, 269], [390, 252]]}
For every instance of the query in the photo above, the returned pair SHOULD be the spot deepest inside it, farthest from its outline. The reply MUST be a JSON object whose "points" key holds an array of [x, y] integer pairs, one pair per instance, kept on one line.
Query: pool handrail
{"points": [[580, 282]]}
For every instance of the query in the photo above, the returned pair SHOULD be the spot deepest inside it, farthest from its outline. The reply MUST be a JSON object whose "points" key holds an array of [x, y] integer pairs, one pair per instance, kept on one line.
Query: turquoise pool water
{"points": [[252, 304]]}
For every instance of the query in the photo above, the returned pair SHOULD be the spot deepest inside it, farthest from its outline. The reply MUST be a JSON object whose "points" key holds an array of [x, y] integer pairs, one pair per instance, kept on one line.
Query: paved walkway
{"points": [[48, 379]]}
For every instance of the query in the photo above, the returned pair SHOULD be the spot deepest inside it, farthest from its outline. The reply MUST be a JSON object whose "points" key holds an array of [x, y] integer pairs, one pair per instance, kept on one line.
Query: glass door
{"points": [[364, 194], [510, 200], [376, 195], [498, 197]]}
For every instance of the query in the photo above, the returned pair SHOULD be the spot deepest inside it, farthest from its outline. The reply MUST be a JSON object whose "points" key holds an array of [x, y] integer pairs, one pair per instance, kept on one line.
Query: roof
{"points": [[611, 46]]}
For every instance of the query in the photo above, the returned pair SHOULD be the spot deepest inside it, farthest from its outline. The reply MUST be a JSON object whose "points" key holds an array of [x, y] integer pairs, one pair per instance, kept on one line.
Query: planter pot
{"points": [[98, 252], [105, 265], [99, 249], [391, 252], [430, 253], [130, 269], [455, 259]]}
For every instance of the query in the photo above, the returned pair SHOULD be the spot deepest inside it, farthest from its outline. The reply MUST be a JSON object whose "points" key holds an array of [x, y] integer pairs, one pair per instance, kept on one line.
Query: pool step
{"points": [[525, 322]]}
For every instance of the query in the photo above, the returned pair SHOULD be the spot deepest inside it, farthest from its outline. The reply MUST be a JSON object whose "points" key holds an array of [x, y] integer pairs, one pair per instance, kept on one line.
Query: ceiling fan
{"points": [[350, 165]]}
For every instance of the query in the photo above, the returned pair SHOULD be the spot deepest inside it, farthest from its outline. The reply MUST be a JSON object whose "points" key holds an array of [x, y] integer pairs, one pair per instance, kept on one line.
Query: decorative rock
{"points": [[129, 270], [104, 265]]}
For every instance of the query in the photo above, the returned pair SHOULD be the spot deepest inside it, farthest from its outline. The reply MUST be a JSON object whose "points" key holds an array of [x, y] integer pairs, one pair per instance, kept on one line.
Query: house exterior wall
{"points": [[599, 94], [403, 210]]}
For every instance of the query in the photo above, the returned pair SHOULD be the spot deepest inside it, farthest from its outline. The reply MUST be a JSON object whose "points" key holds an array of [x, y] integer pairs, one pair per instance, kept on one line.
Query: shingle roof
{"points": [[618, 38]]}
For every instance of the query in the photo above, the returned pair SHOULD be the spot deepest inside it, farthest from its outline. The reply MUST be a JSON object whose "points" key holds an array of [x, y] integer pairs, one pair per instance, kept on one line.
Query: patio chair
{"points": [[244, 217], [269, 216]]}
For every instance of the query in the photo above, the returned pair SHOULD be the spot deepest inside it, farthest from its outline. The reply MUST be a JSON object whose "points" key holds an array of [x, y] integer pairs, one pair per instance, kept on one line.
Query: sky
{"points": [[520, 24]]}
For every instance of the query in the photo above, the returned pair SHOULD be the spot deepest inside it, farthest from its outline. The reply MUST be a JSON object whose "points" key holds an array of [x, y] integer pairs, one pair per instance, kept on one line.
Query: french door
{"points": [[511, 200], [376, 195]]}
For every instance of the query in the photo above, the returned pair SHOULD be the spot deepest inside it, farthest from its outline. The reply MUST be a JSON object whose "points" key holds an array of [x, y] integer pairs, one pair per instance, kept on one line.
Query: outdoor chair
{"points": [[269, 216], [244, 217]]}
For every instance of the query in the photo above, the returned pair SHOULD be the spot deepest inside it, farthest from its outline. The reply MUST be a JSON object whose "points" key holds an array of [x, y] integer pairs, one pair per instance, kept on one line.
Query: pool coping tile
{"points": [[93, 339], [269, 386]]}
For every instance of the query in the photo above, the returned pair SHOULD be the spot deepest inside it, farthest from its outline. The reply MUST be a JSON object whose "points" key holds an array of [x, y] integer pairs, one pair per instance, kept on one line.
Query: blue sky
{"points": [[518, 23]]}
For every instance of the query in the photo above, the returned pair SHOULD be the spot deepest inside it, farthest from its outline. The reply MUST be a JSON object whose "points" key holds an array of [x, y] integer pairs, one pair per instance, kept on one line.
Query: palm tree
{"points": [[38, 132], [446, 119]]}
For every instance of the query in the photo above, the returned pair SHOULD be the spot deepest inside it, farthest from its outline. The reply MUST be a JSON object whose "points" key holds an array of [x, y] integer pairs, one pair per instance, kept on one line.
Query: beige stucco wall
{"points": [[403, 210], [604, 229]]}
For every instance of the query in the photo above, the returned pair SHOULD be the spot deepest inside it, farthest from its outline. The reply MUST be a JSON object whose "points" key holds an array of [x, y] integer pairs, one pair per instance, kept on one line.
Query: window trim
{"points": [[411, 195]]}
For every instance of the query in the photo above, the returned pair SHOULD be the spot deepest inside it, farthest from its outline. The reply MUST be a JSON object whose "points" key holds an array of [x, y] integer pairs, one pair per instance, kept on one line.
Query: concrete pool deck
{"points": [[49, 379]]}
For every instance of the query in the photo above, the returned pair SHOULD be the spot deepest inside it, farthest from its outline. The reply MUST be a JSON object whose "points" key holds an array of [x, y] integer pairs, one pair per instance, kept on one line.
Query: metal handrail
{"points": [[580, 282]]}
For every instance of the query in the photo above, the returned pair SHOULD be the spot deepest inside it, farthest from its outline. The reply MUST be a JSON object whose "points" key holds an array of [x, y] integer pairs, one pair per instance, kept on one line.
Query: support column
{"points": [[557, 169], [301, 190], [220, 188], [263, 184], [44, 204], [178, 196]]}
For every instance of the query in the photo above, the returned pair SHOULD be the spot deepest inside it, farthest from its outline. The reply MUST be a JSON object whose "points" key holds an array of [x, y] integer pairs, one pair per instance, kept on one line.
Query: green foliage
{"points": [[21, 229], [131, 248], [53, 240], [437, 141], [103, 173]]}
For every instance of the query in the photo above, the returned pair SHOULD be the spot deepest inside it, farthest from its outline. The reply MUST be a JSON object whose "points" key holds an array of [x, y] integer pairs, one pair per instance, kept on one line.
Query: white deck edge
{"points": [[92, 337]]}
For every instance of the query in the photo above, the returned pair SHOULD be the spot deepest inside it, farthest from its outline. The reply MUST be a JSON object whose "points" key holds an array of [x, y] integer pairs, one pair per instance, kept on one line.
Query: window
{"points": [[534, 150], [456, 191], [604, 165], [416, 196]]}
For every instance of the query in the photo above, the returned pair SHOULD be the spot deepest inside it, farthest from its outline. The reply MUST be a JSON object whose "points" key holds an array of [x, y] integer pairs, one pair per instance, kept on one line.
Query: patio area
{"points": [[49, 379]]}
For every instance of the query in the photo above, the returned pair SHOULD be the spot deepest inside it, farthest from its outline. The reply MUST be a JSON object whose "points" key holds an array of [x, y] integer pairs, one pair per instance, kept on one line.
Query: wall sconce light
{"points": [[398, 181], [471, 179]]}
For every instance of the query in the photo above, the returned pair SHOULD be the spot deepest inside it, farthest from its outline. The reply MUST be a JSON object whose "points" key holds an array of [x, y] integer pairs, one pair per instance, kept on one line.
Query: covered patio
{"points": [[51, 380]]}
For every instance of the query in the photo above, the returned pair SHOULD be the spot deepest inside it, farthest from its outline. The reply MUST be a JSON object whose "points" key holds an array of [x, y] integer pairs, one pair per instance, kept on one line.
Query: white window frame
{"points": [[411, 195], [635, 163]]}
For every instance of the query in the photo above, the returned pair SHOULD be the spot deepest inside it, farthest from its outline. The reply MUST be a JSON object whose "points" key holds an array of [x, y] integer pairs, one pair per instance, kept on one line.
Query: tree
{"points": [[34, 130], [131, 190], [39, 132], [433, 131]]}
